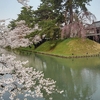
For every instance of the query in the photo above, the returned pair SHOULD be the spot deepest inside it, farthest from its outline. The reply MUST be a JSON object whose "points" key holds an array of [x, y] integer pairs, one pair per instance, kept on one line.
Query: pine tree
{"points": [[27, 15]]}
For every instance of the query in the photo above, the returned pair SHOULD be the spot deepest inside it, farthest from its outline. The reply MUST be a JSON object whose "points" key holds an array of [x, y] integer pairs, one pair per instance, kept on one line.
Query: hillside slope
{"points": [[71, 47]]}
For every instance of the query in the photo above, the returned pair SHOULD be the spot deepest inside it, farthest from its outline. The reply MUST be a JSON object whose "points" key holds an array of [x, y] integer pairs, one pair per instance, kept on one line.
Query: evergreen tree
{"points": [[49, 19], [68, 7], [27, 15]]}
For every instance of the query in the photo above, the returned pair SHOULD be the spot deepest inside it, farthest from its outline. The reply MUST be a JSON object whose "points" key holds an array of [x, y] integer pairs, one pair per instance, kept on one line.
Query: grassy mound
{"points": [[70, 47]]}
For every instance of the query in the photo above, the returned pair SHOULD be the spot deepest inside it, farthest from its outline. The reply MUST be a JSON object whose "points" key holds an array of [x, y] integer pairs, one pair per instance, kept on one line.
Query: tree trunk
{"points": [[66, 17], [71, 11]]}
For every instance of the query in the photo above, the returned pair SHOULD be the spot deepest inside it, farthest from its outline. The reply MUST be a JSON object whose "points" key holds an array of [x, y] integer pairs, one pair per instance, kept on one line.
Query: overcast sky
{"points": [[10, 8]]}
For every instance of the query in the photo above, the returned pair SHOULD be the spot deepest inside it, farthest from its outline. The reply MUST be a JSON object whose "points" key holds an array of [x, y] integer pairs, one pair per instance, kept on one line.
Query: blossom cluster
{"points": [[16, 37], [17, 79]]}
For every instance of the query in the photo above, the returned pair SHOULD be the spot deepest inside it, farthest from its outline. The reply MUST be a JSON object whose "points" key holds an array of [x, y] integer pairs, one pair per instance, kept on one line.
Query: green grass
{"points": [[47, 46], [69, 47]]}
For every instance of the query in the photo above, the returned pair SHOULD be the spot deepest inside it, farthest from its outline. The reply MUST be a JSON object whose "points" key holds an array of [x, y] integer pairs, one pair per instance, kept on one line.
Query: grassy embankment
{"points": [[72, 47]]}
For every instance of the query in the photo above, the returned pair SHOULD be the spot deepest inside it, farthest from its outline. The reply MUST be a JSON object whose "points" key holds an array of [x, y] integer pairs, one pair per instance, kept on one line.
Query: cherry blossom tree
{"points": [[75, 29], [16, 37], [17, 79], [78, 28]]}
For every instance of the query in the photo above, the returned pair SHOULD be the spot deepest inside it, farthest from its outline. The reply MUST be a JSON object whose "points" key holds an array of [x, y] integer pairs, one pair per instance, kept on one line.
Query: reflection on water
{"points": [[79, 83], [79, 78]]}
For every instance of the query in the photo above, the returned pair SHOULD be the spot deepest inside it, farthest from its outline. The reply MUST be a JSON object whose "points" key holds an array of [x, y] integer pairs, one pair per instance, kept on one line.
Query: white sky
{"points": [[10, 8]]}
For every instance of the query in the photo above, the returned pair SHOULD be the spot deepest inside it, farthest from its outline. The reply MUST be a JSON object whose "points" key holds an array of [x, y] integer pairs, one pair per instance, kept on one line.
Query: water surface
{"points": [[79, 78]]}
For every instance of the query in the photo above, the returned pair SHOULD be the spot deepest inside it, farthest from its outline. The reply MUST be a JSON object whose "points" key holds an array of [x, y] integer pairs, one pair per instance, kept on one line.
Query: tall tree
{"points": [[48, 19], [70, 6], [27, 15], [59, 11]]}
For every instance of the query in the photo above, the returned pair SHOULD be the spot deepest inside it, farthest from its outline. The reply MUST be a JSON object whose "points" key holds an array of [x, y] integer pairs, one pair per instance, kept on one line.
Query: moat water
{"points": [[79, 78]]}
